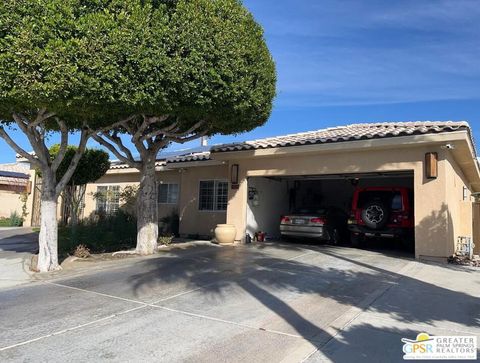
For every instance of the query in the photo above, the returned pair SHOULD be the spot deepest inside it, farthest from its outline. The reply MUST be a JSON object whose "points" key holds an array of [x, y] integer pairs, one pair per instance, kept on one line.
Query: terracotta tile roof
{"points": [[21, 168], [363, 131], [14, 174], [200, 156], [119, 165], [164, 157]]}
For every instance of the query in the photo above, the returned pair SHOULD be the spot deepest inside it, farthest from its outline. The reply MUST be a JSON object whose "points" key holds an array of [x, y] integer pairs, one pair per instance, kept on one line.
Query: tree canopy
{"points": [[92, 166], [161, 71], [104, 60]]}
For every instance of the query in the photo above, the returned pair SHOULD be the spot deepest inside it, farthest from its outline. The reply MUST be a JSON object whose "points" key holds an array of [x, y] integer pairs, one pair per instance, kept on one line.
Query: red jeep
{"points": [[382, 212]]}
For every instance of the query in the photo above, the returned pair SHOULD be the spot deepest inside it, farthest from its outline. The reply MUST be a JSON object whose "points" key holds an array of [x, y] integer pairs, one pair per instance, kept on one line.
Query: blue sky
{"points": [[347, 61]]}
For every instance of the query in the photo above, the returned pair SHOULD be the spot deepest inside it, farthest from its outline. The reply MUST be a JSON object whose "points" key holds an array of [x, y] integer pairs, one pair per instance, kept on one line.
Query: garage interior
{"points": [[270, 198]]}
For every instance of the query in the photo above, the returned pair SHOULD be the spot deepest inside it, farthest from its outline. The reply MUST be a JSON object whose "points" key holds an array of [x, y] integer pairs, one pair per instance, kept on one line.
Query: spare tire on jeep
{"points": [[375, 215]]}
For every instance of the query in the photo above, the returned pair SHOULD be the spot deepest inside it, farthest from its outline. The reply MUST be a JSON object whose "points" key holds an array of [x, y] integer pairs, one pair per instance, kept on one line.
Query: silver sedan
{"points": [[323, 224]]}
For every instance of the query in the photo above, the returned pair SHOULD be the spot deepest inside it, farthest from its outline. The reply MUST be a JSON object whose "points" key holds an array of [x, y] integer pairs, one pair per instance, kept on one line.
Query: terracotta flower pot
{"points": [[225, 233]]}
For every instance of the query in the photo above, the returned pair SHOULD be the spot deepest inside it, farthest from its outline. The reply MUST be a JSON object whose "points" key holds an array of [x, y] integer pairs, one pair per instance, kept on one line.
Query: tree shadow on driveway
{"points": [[219, 276], [18, 240]]}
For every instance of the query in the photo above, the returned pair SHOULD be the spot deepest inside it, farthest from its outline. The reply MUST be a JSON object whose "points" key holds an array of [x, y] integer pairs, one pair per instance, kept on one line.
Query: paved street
{"points": [[16, 247], [259, 303]]}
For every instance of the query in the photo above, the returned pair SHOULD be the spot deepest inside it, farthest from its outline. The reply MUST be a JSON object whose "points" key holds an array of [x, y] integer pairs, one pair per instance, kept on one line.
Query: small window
{"points": [[168, 193], [108, 199], [213, 195]]}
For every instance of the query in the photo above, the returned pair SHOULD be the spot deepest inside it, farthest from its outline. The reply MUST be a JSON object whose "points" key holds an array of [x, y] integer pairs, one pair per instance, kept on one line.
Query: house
{"points": [[249, 184], [14, 183]]}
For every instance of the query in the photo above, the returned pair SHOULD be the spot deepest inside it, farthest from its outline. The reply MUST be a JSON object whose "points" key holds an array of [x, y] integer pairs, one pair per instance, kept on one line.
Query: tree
{"points": [[36, 131], [48, 66], [181, 69], [92, 166]]}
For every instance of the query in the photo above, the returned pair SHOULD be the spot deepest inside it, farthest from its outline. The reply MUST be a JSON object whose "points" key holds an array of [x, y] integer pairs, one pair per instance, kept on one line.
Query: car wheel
{"points": [[375, 215]]}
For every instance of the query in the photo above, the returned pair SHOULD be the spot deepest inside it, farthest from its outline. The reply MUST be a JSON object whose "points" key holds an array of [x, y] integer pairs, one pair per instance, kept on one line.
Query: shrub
{"points": [[128, 197], [15, 220], [171, 224], [99, 233]]}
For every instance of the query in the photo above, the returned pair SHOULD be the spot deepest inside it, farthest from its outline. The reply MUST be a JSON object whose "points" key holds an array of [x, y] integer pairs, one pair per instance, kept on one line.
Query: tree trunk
{"points": [[76, 203], [147, 212], [48, 238]]}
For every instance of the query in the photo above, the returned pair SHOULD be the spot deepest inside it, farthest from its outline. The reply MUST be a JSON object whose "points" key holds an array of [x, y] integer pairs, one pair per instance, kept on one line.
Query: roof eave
{"points": [[374, 143], [192, 164]]}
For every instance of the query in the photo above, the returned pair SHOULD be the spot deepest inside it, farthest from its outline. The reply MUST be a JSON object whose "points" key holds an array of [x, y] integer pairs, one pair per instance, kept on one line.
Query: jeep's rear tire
{"points": [[375, 215]]}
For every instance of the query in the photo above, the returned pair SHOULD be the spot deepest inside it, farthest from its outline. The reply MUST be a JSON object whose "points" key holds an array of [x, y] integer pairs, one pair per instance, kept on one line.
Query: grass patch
{"points": [[100, 234]]}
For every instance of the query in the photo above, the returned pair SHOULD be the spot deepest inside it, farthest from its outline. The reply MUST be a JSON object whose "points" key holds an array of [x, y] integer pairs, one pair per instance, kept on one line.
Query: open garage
{"points": [[290, 203], [432, 165]]}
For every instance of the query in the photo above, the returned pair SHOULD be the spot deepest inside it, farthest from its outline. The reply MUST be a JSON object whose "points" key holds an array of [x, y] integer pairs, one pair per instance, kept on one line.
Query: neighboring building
{"points": [[14, 182], [250, 184]]}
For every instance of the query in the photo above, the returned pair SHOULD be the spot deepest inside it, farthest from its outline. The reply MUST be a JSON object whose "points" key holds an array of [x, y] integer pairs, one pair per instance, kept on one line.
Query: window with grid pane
{"points": [[108, 199], [213, 195], [168, 193], [221, 196]]}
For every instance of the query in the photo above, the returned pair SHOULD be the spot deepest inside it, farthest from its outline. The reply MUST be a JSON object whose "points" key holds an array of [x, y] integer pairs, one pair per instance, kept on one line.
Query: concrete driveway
{"points": [[259, 303], [16, 248]]}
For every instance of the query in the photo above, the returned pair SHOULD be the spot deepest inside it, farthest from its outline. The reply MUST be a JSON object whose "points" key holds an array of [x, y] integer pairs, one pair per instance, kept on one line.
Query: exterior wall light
{"points": [[431, 165], [234, 176]]}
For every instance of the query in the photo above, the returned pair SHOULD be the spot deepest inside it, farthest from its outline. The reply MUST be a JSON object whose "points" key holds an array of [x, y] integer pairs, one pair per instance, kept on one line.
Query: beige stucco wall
{"points": [[460, 212], [131, 179], [431, 207], [192, 220], [10, 202], [476, 227]]}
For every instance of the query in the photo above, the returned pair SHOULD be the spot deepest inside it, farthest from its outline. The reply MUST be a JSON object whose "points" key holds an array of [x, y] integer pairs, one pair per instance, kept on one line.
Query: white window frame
{"points": [[168, 193], [215, 195], [108, 203]]}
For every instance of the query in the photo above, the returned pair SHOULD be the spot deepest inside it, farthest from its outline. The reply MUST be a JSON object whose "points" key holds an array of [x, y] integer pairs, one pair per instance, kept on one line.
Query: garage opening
{"points": [[370, 210]]}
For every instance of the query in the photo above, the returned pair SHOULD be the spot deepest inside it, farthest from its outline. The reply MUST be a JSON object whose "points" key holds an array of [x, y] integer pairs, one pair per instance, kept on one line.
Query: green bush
{"points": [[100, 233], [15, 220], [170, 224]]}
